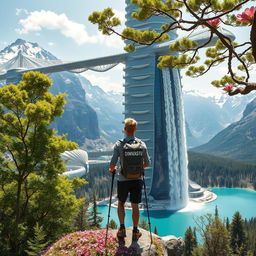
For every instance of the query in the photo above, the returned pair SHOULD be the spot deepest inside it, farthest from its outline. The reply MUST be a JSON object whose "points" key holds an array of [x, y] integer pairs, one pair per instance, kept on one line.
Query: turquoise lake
{"points": [[228, 202]]}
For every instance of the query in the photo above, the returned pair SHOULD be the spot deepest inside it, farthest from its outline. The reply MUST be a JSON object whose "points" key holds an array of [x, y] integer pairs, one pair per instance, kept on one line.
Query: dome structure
{"points": [[76, 162]]}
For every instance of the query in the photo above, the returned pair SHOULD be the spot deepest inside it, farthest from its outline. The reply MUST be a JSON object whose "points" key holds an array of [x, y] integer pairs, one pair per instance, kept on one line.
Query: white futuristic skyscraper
{"points": [[153, 97]]}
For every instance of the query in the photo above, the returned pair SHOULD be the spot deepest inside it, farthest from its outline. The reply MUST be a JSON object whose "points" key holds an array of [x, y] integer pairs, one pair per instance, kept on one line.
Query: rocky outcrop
{"points": [[173, 245], [79, 120], [92, 242], [162, 246]]}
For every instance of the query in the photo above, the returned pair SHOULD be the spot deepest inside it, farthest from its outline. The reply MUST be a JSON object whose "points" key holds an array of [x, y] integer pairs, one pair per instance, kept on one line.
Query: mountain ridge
{"points": [[237, 141], [79, 120]]}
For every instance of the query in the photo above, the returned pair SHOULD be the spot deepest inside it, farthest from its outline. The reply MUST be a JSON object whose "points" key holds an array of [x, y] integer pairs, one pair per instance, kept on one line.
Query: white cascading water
{"points": [[176, 141]]}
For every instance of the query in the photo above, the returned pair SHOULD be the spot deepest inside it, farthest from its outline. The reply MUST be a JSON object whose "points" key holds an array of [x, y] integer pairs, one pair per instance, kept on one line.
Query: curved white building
{"points": [[77, 163]]}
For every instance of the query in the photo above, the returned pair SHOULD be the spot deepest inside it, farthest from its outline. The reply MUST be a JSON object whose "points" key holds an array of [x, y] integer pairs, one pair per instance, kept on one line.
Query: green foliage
{"points": [[159, 248], [144, 224], [215, 236], [81, 220], [99, 180], [94, 218], [105, 20], [190, 242], [209, 14], [37, 244], [238, 239], [212, 171], [32, 189], [112, 224], [250, 231]]}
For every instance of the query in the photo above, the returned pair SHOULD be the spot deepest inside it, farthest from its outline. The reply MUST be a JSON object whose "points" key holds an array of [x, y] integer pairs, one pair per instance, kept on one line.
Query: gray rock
{"points": [[173, 245]]}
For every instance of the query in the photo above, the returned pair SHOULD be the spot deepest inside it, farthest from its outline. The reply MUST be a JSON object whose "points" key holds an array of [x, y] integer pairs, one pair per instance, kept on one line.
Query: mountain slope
{"points": [[109, 108], [207, 115], [79, 120], [237, 141]]}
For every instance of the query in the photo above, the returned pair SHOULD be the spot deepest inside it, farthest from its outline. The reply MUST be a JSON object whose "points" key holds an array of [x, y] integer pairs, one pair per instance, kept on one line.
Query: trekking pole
{"points": [[146, 198], [110, 199]]}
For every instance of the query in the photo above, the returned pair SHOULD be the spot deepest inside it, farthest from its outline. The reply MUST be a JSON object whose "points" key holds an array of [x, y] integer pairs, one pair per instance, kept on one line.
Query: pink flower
{"points": [[247, 15], [228, 88], [214, 22]]}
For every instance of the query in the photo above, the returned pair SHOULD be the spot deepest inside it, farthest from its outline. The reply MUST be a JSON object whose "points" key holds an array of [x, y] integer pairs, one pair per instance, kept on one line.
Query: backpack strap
{"points": [[138, 140], [123, 141]]}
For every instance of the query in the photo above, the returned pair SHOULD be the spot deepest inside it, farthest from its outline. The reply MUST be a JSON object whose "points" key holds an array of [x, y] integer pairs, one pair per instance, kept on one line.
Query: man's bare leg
{"points": [[121, 212], [135, 214], [121, 233], [136, 234]]}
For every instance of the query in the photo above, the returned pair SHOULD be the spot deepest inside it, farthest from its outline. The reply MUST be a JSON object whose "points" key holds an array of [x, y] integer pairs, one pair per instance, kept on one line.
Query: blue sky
{"points": [[62, 27]]}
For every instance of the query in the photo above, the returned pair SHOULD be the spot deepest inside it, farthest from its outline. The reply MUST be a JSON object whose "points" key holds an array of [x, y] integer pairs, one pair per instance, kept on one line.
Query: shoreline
{"points": [[158, 205], [161, 205], [248, 188]]}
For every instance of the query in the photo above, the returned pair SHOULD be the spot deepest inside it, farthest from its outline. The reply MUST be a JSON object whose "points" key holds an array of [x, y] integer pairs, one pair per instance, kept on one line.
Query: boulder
{"points": [[174, 246]]}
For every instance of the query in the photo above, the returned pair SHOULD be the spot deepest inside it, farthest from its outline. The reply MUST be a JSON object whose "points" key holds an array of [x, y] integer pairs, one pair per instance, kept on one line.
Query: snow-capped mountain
{"points": [[79, 119], [207, 115], [28, 48]]}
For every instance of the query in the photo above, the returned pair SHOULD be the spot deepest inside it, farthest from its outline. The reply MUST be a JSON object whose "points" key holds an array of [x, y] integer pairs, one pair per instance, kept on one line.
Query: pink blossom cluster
{"points": [[88, 243], [247, 15], [214, 22], [228, 88]]}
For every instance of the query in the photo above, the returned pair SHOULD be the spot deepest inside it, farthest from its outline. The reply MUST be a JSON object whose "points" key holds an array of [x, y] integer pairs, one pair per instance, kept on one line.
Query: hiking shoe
{"points": [[136, 235], [121, 233]]}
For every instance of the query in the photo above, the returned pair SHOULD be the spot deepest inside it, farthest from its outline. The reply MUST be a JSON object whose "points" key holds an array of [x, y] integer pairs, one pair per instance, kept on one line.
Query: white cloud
{"points": [[38, 20], [106, 83], [120, 15], [51, 43], [21, 11], [113, 41]]}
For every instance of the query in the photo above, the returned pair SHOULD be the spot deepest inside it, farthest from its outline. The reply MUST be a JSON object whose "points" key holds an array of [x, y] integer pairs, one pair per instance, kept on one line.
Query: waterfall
{"points": [[176, 141]]}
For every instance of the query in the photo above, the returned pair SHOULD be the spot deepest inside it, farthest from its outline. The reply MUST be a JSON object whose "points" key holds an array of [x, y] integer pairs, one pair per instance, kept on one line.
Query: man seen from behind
{"points": [[133, 157]]}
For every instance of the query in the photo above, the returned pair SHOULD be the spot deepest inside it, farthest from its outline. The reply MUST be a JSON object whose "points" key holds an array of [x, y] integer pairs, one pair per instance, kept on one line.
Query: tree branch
{"points": [[253, 37]]}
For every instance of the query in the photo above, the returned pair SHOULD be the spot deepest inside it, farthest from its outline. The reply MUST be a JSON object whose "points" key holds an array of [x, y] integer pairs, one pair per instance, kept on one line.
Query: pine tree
{"points": [[227, 223], [216, 214], [81, 220], [215, 235], [254, 251], [38, 243], [190, 242], [143, 224], [194, 232], [238, 239], [112, 224], [94, 218]]}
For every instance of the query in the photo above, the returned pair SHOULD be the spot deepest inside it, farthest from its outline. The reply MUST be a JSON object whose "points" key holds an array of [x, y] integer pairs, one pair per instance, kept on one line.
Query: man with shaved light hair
{"points": [[133, 157]]}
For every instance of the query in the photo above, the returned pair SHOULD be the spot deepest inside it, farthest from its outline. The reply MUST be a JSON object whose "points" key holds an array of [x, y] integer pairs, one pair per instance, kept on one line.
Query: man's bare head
{"points": [[130, 126]]}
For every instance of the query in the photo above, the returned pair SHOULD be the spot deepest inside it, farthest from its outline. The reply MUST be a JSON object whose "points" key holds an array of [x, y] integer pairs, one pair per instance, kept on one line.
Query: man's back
{"points": [[118, 154]]}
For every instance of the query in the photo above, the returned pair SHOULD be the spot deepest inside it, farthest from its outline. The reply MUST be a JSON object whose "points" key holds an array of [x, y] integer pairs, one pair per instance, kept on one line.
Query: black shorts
{"points": [[134, 187]]}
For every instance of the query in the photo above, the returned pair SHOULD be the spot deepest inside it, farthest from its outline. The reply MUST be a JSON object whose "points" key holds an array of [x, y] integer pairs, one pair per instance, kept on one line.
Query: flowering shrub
{"points": [[247, 15], [214, 22], [88, 243], [159, 251]]}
